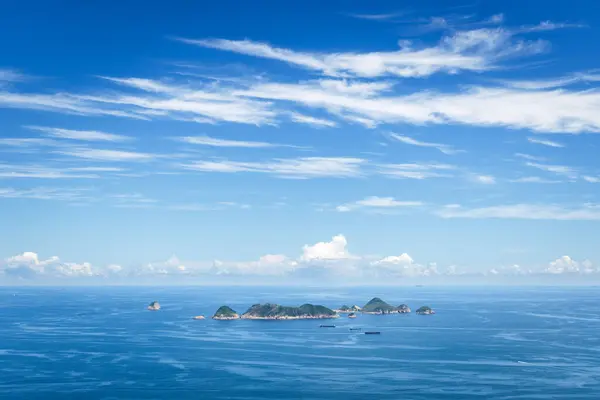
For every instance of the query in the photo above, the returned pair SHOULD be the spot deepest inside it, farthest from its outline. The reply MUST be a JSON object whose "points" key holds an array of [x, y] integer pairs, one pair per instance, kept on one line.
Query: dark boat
{"points": [[372, 333], [327, 326], [355, 329]]}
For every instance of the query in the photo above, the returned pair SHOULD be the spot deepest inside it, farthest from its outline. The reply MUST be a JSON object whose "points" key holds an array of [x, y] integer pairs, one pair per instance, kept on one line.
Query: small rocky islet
{"points": [[154, 306]]}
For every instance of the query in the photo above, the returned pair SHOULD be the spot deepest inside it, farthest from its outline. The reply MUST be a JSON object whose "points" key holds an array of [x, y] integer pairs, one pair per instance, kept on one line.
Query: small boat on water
{"points": [[352, 315], [373, 333], [356, 329], [199, 317], [327, 326]]}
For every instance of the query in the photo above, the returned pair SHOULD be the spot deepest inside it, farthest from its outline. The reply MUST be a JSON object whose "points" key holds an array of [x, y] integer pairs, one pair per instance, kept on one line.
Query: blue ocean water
{"points": [[101, 343]]}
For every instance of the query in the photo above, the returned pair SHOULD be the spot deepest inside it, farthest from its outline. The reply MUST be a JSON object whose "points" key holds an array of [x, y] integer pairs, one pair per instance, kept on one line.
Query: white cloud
{"points": [[556, 169], [203, 103], [40, 172], [62, 103], [11, 75], [333, 250], [267, 265], [484, 179], [222, 205], [46, 193], [214, 142], [108, 155], [378, 17], [591, 179], [317, 122], [476, 50], [524, 211], [375, 202], [444, 148], [305, 167], [551, 111], [415, 171], [533, 179], [550, 26], [566, 265], [26, 142], [80, 135], [530, 157], [402, 265], [543, 142], [28, 265]]}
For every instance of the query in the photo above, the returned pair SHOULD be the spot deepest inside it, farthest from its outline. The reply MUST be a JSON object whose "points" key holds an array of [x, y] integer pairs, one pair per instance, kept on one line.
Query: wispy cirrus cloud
{"points": [[475, 50], [108, 155], [539, 110], [549, 26], [552, 83], [444, 148], [300, 168], [83, 135], [543, 142], [533, 179], [199, 207], [563, 170], [47, 193], [8, 75], [17, 171], [375, 202], [529, 157], [316, 122], [390, 17], [416, 171], [523, 211], [214, 142]]}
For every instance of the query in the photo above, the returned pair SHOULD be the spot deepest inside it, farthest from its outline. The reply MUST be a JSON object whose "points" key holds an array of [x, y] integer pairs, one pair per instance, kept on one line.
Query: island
{"points": [[425, 311], [347, 310], [378, 306], [277, 312], [352, 315], [154, 306], [225, 313], [403, 309]]}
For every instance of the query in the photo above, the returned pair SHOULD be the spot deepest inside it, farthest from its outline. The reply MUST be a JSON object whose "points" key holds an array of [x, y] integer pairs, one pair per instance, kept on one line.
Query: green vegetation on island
{"points": [[225, 313], [275, 311], [378, 306], [346, 310], [425, 311]]}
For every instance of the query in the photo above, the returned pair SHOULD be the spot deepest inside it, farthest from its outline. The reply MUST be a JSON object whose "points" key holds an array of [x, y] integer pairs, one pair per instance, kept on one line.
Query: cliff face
{"points": [[225, 313], [275, 311]]}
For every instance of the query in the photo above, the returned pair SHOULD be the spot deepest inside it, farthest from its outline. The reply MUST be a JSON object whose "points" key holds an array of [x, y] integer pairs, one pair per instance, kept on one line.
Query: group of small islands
{"points": [[307, 311]]}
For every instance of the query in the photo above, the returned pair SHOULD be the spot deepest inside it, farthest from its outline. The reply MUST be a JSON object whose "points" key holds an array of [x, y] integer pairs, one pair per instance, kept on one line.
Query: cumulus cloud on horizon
{"points": [[327, 259]]}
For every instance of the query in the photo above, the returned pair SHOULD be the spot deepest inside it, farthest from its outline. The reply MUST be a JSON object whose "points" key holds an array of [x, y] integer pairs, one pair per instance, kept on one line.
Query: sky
{"points": [[318, 142]]}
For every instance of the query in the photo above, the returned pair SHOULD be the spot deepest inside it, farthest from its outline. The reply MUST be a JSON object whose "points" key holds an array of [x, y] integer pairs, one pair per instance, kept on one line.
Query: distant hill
{"points": [[378, 306], [275, 311], [225, 313]]}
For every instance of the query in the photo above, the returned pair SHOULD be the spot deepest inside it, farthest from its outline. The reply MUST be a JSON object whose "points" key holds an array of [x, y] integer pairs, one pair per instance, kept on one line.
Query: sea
{"points": [[482, 343]]}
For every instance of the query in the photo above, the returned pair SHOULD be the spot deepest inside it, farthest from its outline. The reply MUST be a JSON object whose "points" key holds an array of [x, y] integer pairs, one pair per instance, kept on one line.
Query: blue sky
{"points": [[342, 141]]}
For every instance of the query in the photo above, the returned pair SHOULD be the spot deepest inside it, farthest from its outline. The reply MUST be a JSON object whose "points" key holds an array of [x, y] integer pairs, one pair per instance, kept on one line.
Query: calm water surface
{"points": [[101, 343]]}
